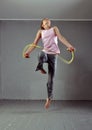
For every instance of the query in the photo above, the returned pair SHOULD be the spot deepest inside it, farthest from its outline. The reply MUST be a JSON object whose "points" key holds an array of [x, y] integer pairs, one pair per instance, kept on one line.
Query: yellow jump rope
{"points": [[39, 47]]}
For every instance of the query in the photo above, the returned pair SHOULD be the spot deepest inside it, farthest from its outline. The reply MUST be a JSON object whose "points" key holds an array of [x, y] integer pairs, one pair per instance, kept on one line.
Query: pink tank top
{"points": [[50, 42]]}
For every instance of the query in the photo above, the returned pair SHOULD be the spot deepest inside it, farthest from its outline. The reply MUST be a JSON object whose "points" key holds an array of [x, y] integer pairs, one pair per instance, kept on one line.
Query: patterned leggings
{"points": [[51, 60]]}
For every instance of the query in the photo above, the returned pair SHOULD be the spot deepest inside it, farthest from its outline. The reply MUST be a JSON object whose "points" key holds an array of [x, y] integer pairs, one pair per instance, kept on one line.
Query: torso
{"points": [[50, 41]]}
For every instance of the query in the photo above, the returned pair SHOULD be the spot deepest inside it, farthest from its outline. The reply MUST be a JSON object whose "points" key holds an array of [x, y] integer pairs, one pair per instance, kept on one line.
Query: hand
{"points": [[26, 55], [71, 49]]}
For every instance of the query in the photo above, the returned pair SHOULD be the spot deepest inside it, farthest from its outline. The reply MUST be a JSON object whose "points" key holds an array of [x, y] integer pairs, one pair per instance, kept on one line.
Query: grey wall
{"points": [[53, 9], [19, 79]]}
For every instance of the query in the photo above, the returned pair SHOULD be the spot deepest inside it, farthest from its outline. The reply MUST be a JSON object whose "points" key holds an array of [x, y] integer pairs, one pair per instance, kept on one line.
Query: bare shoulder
{"points": [[39, 31], [38, 34], [55, 28]]}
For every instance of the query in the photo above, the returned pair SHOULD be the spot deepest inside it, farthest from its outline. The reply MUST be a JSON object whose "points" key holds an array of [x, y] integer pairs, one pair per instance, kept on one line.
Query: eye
{"points": [[45, 24]]}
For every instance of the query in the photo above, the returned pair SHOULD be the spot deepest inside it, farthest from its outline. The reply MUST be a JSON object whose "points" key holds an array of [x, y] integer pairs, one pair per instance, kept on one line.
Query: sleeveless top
{"points": [[50, 41]]}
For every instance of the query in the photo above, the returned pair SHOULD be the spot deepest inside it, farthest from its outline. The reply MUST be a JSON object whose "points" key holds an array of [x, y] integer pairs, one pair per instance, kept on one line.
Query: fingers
{"points": [[71, 49], [26, 55]]}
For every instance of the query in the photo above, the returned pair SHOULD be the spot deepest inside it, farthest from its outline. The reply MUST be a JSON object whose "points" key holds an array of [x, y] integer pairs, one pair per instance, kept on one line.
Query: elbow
{"points": [[61, 39]]}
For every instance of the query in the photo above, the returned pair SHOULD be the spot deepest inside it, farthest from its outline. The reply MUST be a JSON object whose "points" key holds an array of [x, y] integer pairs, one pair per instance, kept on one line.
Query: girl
{"points": [[48, 54]]}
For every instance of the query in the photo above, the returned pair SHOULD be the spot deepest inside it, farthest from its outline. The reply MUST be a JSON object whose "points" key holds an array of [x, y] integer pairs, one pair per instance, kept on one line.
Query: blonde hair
{"points": [[42, 23]]}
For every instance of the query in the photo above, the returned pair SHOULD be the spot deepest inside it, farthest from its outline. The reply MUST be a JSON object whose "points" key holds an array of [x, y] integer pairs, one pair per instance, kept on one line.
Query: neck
{"points": [[47, 28]]}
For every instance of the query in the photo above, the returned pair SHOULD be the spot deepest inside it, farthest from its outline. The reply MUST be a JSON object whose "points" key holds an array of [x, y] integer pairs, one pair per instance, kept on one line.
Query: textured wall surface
{"points": [[19, 79], [53, 9]]}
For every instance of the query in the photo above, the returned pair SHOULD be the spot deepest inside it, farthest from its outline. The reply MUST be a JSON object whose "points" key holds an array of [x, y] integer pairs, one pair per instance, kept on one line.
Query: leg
{"points": [[42, 58], [51, 72]]}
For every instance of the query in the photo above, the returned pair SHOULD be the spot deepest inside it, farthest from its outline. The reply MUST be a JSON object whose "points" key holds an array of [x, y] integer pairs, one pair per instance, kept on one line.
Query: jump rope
{"points": [[39, 47]]}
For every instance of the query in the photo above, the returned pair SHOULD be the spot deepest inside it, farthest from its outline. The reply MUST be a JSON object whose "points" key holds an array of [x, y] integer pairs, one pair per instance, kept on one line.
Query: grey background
{"points": [[19, 22], [53, 9], [18, 79]]}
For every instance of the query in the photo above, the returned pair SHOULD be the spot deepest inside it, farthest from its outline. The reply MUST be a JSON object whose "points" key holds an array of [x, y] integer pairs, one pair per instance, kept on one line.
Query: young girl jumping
{"points": [[49, 36]]}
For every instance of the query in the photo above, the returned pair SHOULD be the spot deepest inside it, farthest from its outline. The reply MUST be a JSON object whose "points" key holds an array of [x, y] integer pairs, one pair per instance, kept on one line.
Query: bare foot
{"points": [[41, 70], [48, 102]]}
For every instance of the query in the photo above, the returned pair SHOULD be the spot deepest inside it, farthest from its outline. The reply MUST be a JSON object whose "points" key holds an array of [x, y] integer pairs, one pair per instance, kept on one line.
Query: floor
{"points": [[31, 115]]}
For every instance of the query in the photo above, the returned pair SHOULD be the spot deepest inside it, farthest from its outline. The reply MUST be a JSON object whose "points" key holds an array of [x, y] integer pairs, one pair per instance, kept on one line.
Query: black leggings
{"points": [[51, 60]]}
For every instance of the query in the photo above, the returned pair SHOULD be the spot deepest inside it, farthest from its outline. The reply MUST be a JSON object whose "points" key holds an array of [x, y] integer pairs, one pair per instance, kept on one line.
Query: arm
{"points": [[63, 40], [37, 38]]}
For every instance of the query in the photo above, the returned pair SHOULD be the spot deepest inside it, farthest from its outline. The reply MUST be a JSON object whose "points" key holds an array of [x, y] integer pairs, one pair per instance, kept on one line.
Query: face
{"points": [[46, 24]]}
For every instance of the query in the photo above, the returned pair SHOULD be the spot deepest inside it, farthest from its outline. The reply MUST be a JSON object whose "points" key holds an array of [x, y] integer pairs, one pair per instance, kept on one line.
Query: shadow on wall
{"points": [[78, 76], [78, 10], [81, 81]]}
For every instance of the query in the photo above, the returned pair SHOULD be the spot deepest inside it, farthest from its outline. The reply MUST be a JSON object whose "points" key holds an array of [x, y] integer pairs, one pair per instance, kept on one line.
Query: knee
{"points": [[42, 57], [50, 84]]}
